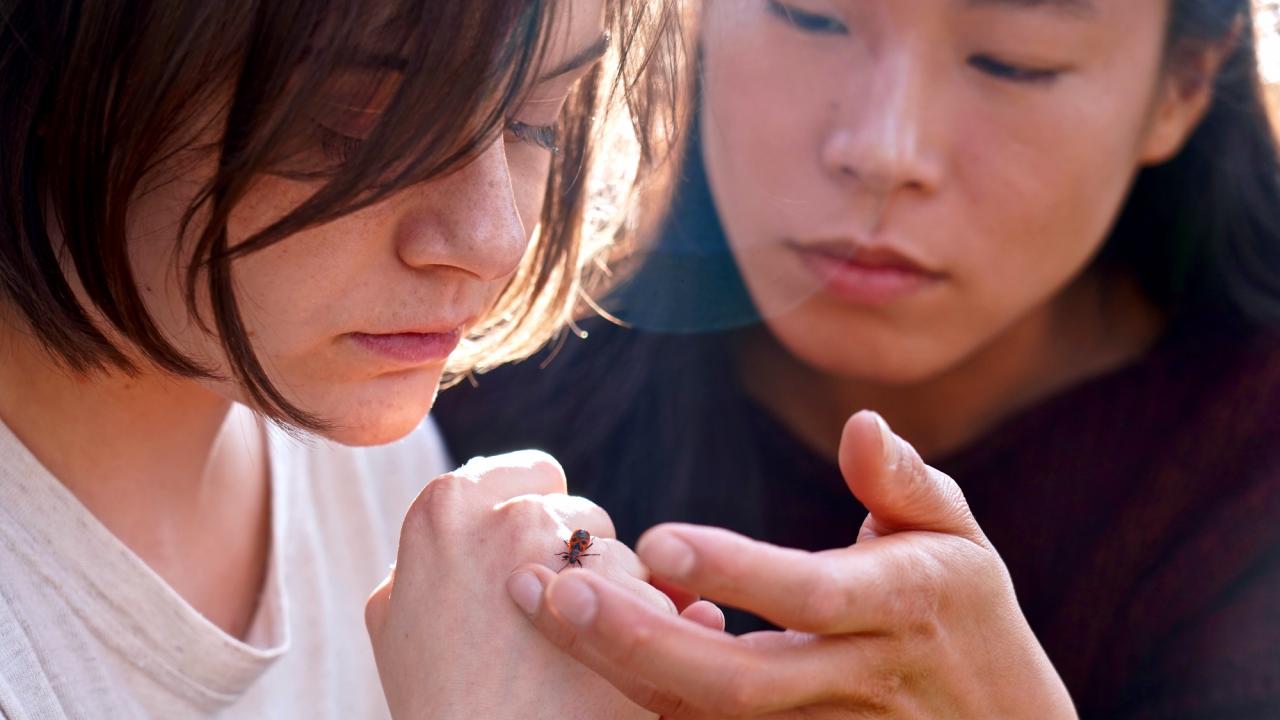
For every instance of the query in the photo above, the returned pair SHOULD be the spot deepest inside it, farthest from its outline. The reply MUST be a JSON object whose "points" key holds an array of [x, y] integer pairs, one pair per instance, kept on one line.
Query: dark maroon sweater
{"points": [[1138, 513]]}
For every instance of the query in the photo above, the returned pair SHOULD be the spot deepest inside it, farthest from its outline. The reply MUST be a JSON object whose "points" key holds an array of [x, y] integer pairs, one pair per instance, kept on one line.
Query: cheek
{"points": [[762, 118], [159, 263], [529, 168], [302, 297], [1036, 194]]}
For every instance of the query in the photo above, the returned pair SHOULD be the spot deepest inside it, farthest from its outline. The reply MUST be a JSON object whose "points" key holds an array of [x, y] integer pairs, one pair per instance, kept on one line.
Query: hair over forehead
{"points": [[96, 95]]}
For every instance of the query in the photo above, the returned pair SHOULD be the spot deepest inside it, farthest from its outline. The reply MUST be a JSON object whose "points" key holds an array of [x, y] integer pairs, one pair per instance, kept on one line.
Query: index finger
{"points": [[870, 587], [694, 668]]}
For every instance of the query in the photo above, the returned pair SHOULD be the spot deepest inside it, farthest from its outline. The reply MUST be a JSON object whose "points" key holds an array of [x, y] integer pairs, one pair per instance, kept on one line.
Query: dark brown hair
{"points": [[97, 95]]}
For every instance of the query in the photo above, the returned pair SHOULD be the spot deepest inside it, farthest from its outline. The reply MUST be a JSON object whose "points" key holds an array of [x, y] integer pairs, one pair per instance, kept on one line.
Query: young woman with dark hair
{"points": [[219, 213], [1042, 241]]}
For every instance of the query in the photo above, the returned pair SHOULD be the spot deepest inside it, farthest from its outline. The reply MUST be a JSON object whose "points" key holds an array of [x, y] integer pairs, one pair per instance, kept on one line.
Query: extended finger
{"points": [[526, 587], [896, 583], [857, 589], [694, 667]]}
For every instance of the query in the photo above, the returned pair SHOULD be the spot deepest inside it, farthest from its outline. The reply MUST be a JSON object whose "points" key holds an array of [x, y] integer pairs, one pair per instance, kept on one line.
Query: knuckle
{"points": [[664, 704], [443, 491], [523, 508], [446, 490], [375, 607], [537, 463], [437, 512], [917, 603], [883, 691], [633, 646], [918, 485], [433, 502], [543, 463]]}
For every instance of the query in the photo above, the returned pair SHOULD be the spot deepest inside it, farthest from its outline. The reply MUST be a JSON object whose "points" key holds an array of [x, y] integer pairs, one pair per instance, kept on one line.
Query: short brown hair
{"points": [[96, 94]]}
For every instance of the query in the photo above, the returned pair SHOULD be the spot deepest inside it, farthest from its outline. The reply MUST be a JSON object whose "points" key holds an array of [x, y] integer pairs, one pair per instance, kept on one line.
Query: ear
{"points": [[1185, 94]]}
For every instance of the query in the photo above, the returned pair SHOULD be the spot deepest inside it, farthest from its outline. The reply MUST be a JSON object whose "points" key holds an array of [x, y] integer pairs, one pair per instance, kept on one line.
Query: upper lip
{"points": [[874, 256], [440, 328]]}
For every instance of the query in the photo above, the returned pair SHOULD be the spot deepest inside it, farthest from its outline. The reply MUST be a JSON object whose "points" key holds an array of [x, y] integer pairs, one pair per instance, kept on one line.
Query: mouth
{"points": [[864, 274], [410, 347]]}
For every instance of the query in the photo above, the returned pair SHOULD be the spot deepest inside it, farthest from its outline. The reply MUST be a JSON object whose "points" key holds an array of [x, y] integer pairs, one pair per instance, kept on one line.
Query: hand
{"points": [[917, 619], [449, 644]]}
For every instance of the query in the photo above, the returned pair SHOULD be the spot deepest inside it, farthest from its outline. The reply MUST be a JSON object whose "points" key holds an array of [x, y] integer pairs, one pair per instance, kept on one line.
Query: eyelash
{"points": [[823, 25], [339, 148], [806, 21], [1013, 73], [543, 136], [336, 146]]}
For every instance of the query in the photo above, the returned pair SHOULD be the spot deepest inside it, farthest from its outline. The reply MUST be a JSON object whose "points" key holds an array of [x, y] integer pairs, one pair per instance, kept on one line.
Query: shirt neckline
{"points": [[123, 602]]}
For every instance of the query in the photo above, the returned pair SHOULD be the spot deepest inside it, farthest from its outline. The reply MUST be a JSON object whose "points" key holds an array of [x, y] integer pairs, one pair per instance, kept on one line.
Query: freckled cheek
{"points": [[529, 173]]}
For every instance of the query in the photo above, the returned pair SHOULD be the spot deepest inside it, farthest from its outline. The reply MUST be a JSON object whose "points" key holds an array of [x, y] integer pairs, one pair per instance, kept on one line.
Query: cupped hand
{"points": [[447, 640], [917, 619]]}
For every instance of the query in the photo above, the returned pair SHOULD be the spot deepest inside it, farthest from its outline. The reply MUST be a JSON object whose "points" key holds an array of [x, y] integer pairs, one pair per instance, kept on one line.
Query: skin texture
{"points": [[466, 529], [169, 468], [898, 126], [898, 130], [917, 619]]}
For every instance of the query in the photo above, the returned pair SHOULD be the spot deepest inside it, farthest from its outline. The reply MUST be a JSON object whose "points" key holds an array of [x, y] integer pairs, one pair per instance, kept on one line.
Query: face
{"points": [[903, 180], [354, 320]]}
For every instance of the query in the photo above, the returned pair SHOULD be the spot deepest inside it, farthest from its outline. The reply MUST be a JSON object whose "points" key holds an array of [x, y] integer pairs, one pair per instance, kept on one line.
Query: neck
{"points": [[1089, 329], [160, 461]]}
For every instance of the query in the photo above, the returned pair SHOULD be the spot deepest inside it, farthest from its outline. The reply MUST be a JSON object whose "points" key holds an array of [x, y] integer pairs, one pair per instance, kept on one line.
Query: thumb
{"points": [[888, 477]]}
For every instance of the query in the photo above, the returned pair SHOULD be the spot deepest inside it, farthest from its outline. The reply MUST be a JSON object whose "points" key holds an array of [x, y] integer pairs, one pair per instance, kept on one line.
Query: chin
{"points": [[892, 357], [384, 431], [382, 415]]}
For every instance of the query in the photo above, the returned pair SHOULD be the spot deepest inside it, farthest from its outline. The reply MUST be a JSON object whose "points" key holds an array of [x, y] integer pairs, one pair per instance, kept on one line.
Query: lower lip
{"points": [[410, 348], [864, 284]]}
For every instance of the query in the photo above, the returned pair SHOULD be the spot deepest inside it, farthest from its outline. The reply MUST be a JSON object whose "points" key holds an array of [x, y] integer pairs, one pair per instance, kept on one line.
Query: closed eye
{"points": [[1014, 73], [337, 147], [543, 136], [806, 21]]}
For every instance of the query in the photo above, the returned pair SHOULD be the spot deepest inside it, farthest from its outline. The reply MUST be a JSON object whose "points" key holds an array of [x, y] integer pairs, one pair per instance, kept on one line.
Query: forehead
{"points": [[1082, 12], [1078, 10]]}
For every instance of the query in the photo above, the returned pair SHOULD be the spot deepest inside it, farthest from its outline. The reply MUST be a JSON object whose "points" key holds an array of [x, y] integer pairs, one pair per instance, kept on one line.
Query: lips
{"points": [[880, 257], [863, 274], [411, 348]]}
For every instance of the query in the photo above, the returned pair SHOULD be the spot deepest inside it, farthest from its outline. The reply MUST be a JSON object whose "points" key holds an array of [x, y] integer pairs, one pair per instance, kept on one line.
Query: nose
{"points": [[879, 137], [467, 220]]}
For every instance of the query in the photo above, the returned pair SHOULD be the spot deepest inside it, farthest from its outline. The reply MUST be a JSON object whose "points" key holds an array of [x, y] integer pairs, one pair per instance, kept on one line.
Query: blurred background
{"points": [[1269, 49]]}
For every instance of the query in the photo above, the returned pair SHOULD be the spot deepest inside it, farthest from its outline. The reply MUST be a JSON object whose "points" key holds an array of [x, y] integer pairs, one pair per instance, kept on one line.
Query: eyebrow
{"points": [[1077, 8], [584, 57]]}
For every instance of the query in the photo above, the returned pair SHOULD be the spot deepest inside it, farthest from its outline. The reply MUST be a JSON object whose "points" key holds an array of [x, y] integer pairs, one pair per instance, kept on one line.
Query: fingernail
{"points": [[668, 556], [574, 600], [526, 590], [888, 441]]}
